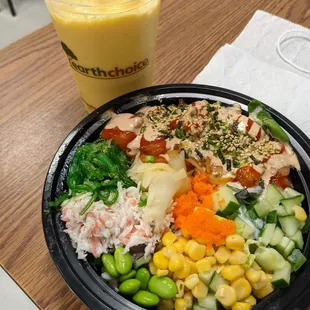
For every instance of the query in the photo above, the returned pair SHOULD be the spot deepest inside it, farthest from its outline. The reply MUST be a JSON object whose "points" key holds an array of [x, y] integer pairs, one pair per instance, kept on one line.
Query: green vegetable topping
{"points": [[266, 121], [97, 167], [149, 159], [180, 133]]}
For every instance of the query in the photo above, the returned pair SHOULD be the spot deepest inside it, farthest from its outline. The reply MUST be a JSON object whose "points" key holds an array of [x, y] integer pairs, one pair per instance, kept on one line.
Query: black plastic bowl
{"points": [[80, 275]]}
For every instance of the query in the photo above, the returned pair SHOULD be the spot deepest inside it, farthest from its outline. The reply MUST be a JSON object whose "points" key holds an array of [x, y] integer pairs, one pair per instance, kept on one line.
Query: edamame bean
{"points": [[143, 275], [129, 287], [131, 274], [163, 287], [123, 262], [109, 265], [145, 299]]}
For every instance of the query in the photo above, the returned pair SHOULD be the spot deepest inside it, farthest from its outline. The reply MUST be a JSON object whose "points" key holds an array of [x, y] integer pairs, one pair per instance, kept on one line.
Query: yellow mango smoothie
{"points": [[110, 45]]}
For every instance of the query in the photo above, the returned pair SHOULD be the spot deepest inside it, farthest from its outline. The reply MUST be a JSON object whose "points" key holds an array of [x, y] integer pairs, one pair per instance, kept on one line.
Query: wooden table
{"points": [[39, 105]]}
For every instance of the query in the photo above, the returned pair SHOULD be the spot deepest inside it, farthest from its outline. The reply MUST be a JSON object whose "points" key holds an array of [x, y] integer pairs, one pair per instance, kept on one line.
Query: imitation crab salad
{"points": [[188, 206]]}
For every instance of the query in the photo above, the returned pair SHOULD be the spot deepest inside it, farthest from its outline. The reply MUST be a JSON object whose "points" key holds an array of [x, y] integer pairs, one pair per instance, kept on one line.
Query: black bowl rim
{"points": [[87, 295]]}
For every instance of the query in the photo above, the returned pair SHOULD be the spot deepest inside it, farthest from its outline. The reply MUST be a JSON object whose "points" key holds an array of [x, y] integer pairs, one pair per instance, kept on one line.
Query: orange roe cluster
{"points": [[206, 227], [193, 213]]}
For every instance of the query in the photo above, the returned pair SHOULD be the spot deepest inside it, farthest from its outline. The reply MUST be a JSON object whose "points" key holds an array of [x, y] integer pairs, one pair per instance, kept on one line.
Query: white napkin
{"points": [[231, 67], [261, 34]]}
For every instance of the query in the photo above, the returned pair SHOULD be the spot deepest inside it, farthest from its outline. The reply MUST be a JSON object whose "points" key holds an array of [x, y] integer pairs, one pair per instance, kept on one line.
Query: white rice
{"points": [[102, 227]]}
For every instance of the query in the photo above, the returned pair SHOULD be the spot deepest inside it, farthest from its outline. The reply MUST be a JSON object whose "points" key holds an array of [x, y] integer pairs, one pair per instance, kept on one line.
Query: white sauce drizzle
{"points": [[126, 122]]}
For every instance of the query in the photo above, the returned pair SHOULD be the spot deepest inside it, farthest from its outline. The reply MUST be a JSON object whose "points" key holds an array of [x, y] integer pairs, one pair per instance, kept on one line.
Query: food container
{"points": [[81, 277]]}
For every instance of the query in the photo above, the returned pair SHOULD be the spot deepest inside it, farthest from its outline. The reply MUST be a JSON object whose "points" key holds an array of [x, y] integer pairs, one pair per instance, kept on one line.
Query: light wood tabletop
{"points": [[39, 105]]}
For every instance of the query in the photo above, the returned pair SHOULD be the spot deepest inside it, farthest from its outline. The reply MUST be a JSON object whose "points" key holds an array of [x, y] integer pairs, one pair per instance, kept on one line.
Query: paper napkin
{"points": [[246, 69]]}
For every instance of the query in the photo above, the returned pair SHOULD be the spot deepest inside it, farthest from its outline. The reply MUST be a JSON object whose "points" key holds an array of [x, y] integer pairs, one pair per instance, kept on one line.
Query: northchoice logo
{"points": [[99, 73]]}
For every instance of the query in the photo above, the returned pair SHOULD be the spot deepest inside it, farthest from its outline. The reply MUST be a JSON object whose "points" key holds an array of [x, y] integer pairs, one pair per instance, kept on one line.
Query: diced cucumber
{"points": [[298, 240], [289, 224], [225, 201], [141, 261], [209, 302], [269, 258], [206, 277], [289, 192], [273, 195], [290, 203], [263, 207], [281, 211], [244, 229], [197, 307], [296, 259], [216, 281], [289, 249], [283, 244], [281, 277], [301, 225], [267, 234], [252, 215], [272, 217], [277, 236]]}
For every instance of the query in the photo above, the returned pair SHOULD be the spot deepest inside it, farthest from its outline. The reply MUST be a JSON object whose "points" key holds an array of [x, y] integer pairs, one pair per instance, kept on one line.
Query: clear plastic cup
{"points": [[110, 44]]}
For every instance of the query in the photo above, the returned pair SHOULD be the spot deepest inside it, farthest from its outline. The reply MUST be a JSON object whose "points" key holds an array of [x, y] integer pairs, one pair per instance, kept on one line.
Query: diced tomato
{"points": [[155, 147], [249, 124], [122, 138], [158, 159], [283, 149], [247, 176], [282, 182], [259, 134], [174, 124]]}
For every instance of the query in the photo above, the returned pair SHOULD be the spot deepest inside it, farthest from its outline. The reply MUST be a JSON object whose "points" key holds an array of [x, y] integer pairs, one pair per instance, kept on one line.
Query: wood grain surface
{"points": [[39, 105]]}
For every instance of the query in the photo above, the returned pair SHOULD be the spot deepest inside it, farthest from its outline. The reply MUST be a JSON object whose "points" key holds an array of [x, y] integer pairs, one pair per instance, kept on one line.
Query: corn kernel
{"points": [[300, 213], [256, 266], [161, 273], [188, 297], [169, 250], [168, 238], [222, 254], [188, 245], [197, 251], [234, 242], [179, 246], [269, 276], [152, 268], [191, 281], [211, 259], [165, 304], [203, 265], [250, 300], [160, 260], [262, 282], [180, 304], [237, 258], [226, 295], [264, 291], [254, 276], [185, 234], [180, 286], [200, 290], [242, 287], [184, 272], [219, 267], [210, 251], [176, 262], [241, 306], [192, 265], [232, 272]]}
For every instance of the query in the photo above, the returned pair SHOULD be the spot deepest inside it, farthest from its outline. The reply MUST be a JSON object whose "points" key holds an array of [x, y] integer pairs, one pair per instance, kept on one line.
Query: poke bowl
{"points": [[182, 197]]}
